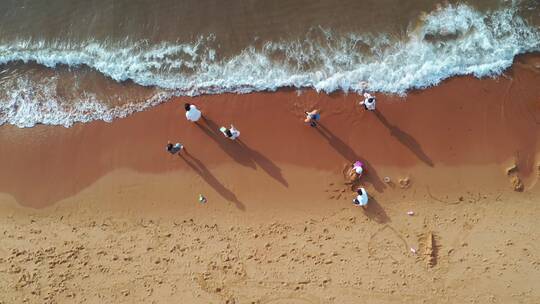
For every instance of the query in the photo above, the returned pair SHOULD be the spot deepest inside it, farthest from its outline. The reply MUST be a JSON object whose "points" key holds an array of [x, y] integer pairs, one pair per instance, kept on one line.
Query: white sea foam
{"points": [[455, 40], [30, 103]]}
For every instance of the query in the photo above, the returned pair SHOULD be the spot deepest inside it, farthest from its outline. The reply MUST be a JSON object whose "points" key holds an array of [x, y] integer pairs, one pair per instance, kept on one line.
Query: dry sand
{"points": [[100, 213], [484, 250]]}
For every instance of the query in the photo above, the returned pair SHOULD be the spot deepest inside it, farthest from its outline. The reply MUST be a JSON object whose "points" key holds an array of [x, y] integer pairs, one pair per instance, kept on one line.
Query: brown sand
{"points": [[118, 218]]}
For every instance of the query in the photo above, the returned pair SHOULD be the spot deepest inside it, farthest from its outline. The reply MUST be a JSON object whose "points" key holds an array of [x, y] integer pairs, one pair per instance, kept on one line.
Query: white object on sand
{"points": [[410, 212], [233, 131], [413, 250], [362, 198], [193, 114], [368, 102]]}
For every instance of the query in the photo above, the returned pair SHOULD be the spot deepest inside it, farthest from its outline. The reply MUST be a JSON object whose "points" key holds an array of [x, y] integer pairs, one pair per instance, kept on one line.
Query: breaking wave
{"points": [[454, 40]]}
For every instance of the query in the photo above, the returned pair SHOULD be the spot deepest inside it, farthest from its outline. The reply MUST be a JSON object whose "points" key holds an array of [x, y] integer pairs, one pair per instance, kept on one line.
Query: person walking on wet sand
{"points": [[313, 117], [362, 198], [173, 149], [232, 133], [192, 113], [369, 102]]}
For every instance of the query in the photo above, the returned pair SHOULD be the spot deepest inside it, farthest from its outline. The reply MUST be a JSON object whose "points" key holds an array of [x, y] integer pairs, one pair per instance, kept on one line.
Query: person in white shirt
{"points": [[362, 198], [368, 102], [192, 113], [356, 170], [232, 133]]}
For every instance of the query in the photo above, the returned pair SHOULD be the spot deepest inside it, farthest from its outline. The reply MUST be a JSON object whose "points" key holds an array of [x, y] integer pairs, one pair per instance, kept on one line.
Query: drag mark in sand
{"points": [[291, 297], [394, 238], [441, 200]]}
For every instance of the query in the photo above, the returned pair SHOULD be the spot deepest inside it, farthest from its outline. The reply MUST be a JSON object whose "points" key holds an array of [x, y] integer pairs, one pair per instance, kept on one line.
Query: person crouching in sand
{"points": [[313, 117], [192, 113], [173, 149], [362, 198], [232, 133], [356, 170]]}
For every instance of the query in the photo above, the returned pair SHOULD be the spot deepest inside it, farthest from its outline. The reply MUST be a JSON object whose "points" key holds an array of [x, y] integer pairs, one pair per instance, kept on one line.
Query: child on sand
{"points": [[232, 133], [173, 149], [313, 117], [368, 102], [192, 113], [356, 170], [362, 198]]}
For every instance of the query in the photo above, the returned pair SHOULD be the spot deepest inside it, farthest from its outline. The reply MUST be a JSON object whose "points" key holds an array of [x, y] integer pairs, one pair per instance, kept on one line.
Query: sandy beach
{"points": [[111, 217]]}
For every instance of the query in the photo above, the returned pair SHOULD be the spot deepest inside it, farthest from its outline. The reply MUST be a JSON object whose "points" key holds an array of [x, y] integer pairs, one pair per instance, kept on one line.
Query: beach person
{"points": [[232, 133], [173, 149], [356, 170], [362, 198], [313, 117], [369, 102], [192, 113]]}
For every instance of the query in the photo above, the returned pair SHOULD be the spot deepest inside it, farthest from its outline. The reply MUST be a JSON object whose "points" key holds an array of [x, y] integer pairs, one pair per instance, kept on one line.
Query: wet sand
{"points": [[462, 122], [112, 188]]}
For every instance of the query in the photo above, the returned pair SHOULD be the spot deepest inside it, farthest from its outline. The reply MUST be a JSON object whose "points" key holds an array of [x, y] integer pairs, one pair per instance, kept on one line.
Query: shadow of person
{"points": [[405, 139], [232, 149], [210, 179], [266, 164], [241, 153], [348, 154], [375, 212]]}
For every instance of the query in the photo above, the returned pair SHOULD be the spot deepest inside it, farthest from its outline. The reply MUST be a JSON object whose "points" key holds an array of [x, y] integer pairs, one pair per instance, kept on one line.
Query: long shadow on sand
{"points": [[266, 164], [236, 152], [240, 152], [375, 212], [346, 152], [210, 179], [405, 139]]}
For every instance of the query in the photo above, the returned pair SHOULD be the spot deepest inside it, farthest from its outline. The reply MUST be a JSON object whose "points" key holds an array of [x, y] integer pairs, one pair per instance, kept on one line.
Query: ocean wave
{"points": [[30, 103], [453, 40]]}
